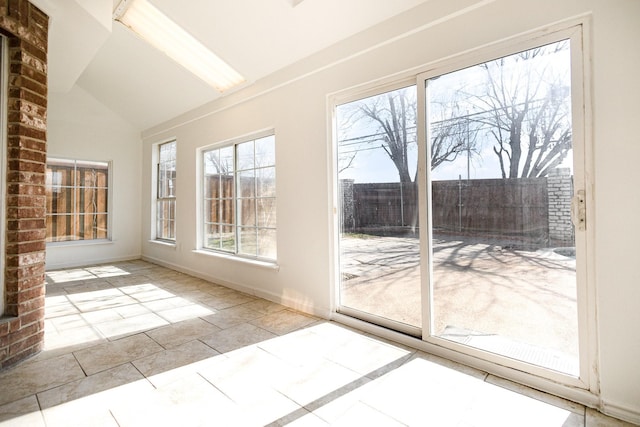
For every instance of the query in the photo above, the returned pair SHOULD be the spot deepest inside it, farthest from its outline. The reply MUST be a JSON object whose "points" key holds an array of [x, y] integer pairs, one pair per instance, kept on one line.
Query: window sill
{"points": [[263, 264], [80, 243], [164, 243]]}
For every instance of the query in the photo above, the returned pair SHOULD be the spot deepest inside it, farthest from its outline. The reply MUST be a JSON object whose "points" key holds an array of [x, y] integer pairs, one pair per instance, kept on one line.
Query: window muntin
{"points": [[166, 192], [240, 198], [77, 200]]}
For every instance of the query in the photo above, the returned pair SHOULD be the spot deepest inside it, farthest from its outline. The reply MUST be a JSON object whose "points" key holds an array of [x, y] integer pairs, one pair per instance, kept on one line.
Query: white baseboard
{"points": [[75, 263], [260, 293]]}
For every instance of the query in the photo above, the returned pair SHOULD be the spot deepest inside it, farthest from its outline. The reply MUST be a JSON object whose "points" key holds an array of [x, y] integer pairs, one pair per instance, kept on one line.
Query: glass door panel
{"points": [[502, 255], [379, 235]]}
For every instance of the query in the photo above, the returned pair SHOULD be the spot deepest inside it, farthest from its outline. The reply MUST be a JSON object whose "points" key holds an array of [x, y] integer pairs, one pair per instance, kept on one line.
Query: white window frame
{"points": [[157, 196], [585, 388], [235, 253]]}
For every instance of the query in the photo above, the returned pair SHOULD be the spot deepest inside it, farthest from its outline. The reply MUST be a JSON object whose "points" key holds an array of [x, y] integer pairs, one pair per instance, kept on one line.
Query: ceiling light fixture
{"points": [[165, 35]]}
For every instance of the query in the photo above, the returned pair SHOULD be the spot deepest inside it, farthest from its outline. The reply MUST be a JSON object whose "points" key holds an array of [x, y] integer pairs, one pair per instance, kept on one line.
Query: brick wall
{"points": [[560, 187], [22, 325]]}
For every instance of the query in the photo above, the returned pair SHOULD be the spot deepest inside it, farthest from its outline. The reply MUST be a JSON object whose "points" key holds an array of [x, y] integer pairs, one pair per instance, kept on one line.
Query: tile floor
{"points": [[134, 344]]}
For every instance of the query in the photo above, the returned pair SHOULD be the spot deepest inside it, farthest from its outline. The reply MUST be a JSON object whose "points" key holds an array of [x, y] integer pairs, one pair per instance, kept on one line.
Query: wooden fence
{"points": [[511, 209]]}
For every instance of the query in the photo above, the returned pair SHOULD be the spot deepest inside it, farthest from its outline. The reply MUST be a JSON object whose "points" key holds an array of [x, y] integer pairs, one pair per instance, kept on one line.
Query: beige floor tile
{"points": [[59, 343], [368, 356], [101, 316], [187, 312], [260, 404], [179, 333], [23, 412], [444, 396], [132, 310], [117, 329], [361, 414], [59, 305], [236, 337], [105, 356], [185, 354], [310, 383], [227, 299], [233, 316], [100, 299], [87, 286], [283, 322], [497, 407], [37, 375], [146, 292], [244, 367], [71, 321], [166, 304], [90, 386], [190, 401], [300, 417], [334, 405], [89, 402], [265, 307], [299, 348]]}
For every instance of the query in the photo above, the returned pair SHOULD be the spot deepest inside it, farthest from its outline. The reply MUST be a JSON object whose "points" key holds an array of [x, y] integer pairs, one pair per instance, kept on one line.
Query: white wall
{"points": [[294, 102], [79, 127]]}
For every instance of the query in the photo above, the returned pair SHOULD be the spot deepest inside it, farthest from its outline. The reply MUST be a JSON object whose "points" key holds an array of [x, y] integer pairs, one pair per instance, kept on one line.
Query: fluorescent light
{"points": [[167, 36]]}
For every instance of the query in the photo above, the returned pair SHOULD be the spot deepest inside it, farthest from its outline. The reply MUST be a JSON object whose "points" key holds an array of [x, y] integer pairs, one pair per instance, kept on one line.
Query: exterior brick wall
{"points": [[22, 325], [560, 187]]}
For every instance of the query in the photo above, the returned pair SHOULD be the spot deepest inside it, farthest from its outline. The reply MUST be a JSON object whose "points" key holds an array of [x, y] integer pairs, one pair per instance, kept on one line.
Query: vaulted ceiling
{"points": [[256, 37]]}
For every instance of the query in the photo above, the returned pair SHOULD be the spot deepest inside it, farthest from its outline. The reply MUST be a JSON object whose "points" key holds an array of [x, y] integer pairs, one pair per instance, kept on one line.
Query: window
{"points": [[166, 198], [240, 198], [77, 200]]}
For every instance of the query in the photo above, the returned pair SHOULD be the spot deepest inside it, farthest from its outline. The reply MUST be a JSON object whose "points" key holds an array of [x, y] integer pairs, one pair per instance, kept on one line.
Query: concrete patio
{"points": [[527, 299]]}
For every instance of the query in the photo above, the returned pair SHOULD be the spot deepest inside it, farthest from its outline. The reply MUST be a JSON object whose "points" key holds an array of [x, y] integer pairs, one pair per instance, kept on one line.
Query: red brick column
{"points": [[22, 325]]}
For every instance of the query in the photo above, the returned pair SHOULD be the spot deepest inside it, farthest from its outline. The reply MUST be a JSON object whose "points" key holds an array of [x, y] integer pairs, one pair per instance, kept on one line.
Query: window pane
{"points": [[228, 238], [226, 161], [266, 151], [266, 182], [246, 184], [166, 213], [510, 220], [377, 158], [248, 241], [227, 213], [92, 200], [267, 243], [212, 236], [91, 227], [247, 214], [60, 200], [60, 228], [266, 212], [246, 155]]}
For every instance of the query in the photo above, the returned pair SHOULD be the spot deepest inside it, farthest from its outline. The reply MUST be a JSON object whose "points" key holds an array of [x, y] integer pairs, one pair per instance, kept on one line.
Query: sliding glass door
{"points": [[462, 207]]}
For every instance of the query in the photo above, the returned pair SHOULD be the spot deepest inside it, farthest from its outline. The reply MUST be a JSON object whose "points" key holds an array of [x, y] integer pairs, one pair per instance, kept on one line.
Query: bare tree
{"points": [[527, 110], [394, 115]]}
